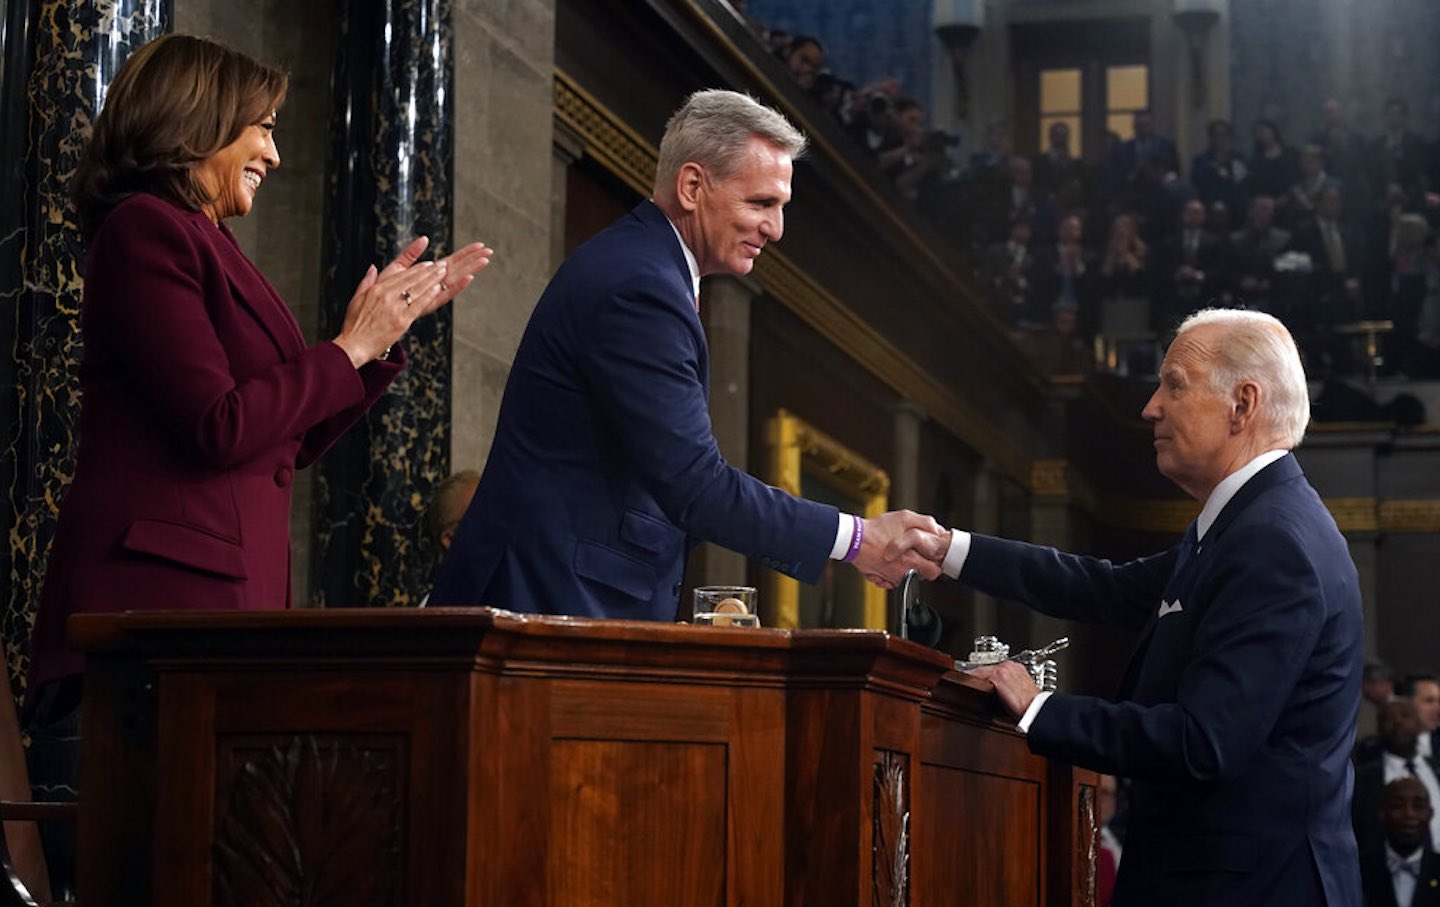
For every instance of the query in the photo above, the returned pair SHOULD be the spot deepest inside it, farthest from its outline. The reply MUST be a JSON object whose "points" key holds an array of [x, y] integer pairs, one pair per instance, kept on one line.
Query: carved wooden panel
{"points": [[303, 821], [615, 805], [979, 838], [890, 832], [1087, 857]]}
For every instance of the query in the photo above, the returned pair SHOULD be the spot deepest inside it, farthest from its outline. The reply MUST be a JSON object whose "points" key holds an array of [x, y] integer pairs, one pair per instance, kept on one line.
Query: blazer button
{"points": [[282, 476]]}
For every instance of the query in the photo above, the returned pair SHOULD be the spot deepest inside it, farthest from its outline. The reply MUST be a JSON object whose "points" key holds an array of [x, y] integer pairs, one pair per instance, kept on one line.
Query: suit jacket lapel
{"points": [[256, 294], [1179, 584]]}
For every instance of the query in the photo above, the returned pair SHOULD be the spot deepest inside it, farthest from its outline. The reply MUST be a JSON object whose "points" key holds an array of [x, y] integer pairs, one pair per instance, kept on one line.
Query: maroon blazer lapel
{"points": [[257, 295]]}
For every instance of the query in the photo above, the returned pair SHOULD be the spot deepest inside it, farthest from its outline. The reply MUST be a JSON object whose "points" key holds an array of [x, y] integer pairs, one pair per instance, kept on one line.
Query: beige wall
{"points": [[504, 73]]}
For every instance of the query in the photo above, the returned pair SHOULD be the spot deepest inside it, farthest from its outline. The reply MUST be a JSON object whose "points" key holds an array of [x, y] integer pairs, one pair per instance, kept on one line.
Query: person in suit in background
{"points": [[1398, 758], [604, 470], [1377, 686], [1236, 716], [1423, 690], [1404, 871], [200, 396], [447, 507], [1145, 145]]}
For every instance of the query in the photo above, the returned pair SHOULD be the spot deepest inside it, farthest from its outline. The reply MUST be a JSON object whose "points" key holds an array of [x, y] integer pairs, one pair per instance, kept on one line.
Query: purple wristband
{"points": [[855, 540]]}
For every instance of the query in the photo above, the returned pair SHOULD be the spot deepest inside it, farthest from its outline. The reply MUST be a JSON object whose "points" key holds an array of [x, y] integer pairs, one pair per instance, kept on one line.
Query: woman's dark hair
{"points": [[174, 103]]}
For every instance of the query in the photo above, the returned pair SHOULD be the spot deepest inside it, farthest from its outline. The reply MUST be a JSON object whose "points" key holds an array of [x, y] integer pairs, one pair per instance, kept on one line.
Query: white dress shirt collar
{"points": [[1228, 488], [690, 261]]}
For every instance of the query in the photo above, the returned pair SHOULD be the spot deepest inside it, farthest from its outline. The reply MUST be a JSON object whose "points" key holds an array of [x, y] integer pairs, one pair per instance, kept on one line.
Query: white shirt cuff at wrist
{"points": [[959, 550], [1029, 717], [844, 532]]}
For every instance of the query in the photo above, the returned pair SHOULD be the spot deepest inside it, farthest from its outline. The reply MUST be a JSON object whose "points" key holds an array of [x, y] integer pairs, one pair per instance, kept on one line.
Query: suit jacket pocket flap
{"points": [[648, 532], [614, 569], [187, 545], [1211, 853]]}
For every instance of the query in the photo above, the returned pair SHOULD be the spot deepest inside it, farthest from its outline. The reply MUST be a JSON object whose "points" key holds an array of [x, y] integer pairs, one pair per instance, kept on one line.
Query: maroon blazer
{"points": [[200, 400]]}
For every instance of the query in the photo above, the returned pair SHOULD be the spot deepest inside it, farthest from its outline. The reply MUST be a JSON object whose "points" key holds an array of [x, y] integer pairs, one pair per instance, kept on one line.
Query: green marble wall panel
{"points": [[390, 179]]}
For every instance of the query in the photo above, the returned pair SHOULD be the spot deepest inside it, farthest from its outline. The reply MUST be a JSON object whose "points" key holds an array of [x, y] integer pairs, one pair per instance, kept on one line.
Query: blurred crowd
{"points": [[1092, 262]]}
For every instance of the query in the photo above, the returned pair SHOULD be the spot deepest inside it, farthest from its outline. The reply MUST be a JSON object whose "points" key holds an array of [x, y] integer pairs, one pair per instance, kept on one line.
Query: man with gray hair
{"points": [[604, 470], [1236, 716]]}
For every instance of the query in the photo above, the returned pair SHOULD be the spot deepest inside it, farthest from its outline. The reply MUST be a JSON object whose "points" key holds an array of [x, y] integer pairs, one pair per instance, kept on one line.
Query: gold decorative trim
{"points": [[794, 445], [616, 146], [1354, 514], [629, 157], [1410, 516], [1049, 477]]}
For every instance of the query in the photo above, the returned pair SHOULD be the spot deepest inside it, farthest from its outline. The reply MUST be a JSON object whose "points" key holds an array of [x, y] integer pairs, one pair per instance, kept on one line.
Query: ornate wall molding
{"points": [[1409, 516]]}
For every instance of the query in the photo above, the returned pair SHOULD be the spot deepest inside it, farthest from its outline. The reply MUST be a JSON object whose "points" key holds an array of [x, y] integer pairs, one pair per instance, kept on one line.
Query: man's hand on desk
{"points": [[1013, 683], [897, 542]]}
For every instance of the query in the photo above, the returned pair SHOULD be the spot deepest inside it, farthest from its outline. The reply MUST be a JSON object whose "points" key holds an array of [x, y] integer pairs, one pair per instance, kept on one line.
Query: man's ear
{"points": [[688, 185], [1245, 406]]}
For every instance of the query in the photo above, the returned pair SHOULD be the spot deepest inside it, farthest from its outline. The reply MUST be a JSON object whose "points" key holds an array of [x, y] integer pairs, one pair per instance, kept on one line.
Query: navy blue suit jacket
{"points": [[1237, 714], [604, 469]]}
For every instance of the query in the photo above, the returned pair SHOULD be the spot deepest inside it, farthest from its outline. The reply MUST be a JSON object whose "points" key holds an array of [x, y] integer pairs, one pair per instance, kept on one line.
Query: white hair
{"points": [[1254, 346], [712, 129]]}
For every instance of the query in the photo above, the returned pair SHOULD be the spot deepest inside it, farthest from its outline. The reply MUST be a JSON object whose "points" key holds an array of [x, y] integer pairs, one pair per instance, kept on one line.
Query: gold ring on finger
{"points": [[405, 295]]}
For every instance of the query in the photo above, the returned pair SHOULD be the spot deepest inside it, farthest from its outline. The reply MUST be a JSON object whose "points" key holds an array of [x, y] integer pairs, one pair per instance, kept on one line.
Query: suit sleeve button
{"points": [[282, 476]]}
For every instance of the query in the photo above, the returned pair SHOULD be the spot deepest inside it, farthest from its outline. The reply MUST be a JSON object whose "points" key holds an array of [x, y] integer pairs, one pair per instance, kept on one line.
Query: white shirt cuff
{"points": [[955, 558], [844, 532], [1029, 717]]}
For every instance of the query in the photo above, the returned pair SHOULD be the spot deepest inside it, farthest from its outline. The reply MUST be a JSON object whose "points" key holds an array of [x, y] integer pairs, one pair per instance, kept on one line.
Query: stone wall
{"points": [[504, 73]]}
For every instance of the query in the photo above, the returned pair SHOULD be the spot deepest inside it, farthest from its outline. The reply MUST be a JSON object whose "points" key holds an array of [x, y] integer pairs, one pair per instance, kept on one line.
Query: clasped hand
{"points": [[387, 302], [895, 543]]}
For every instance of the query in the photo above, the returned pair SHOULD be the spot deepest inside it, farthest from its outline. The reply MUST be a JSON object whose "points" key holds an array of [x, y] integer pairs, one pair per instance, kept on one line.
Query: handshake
{"points": [[895, 543]]}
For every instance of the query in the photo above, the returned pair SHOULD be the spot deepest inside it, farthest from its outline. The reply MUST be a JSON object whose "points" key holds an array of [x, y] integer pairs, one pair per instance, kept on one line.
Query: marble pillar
{"points": [[725, 303], [390, 180], [78, 46]]}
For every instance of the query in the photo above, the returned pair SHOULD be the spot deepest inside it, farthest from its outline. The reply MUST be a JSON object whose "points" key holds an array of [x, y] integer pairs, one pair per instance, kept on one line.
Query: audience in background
{"points": [[1398, 758], [1340, 232]]}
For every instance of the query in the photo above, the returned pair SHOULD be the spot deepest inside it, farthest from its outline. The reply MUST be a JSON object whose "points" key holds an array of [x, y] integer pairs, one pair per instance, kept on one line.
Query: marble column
{"points": [[390, 179], [725, 303], [77, 48]]}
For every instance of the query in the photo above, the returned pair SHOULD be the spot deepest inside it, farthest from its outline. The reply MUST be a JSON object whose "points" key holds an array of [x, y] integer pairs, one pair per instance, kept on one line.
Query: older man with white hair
{"points": [[1236, 715]]}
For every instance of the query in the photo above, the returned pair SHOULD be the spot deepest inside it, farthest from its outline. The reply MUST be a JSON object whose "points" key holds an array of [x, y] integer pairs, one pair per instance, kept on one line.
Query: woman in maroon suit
{"points": [[200, 395]]}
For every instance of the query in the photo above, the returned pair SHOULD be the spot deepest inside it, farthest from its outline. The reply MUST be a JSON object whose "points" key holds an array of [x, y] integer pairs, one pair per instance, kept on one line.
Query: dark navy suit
{"points": [[1237, 714], [604, 469]]}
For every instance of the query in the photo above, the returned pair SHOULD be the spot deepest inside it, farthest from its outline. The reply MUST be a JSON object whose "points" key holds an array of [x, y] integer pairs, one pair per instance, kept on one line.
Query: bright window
{"points": [[1127, 89], [1060, 103]]}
